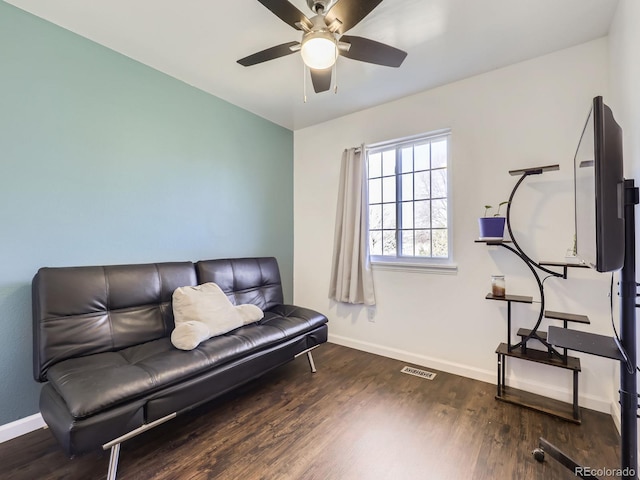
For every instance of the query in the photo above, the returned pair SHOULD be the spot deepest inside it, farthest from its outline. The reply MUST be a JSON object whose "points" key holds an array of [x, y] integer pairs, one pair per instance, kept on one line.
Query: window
{"points": [[409, 216]]}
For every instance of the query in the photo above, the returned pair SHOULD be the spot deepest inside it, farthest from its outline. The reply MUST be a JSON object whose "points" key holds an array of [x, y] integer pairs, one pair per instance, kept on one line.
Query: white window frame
{"points": [[416, 263]]}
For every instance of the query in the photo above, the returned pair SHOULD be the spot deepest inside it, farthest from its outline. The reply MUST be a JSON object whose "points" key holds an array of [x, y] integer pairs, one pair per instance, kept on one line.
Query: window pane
{"points": [[423, 243], [439, 214], [375, 243], [439, 153], [375, 217], [389, 244], [423, 214], [389, 215], [375, 167], [440, 246], [407, 215], [389, 189], [375, 191], [421, 154], [407, 160], [439, 183], [408, 198], [422, 187], [389, 162], [407, 242], [407, 186]]}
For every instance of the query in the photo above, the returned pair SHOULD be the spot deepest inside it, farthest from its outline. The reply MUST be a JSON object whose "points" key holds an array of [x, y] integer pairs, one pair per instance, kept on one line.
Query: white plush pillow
{"points": [[208, 304], [204, 311], [188, 335]]}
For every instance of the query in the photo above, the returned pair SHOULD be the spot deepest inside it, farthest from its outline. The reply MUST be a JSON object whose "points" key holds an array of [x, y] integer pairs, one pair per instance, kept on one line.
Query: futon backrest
{"points": [[79, 311], [245, 280]]}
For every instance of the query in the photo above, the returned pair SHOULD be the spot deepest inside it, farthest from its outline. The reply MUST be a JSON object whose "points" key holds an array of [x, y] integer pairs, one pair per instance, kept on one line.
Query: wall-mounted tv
{"points": [[599, 191]]}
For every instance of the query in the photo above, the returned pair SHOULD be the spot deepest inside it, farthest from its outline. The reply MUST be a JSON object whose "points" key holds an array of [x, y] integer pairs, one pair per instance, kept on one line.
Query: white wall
{"points": [[524, 115], [624, 54]]}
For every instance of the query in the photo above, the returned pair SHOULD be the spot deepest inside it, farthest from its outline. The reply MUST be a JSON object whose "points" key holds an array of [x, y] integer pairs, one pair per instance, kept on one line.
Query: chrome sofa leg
{"points": [[311, 364], [114, 445], [309, 357], [113, 462]]}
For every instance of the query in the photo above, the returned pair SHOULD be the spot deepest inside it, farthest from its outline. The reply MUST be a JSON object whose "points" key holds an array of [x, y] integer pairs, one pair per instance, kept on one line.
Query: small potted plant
{"points": [[492, 226]]}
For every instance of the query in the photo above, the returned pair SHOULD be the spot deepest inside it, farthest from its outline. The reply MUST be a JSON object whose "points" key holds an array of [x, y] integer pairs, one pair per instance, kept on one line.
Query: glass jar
{"points": [[498, 287]]}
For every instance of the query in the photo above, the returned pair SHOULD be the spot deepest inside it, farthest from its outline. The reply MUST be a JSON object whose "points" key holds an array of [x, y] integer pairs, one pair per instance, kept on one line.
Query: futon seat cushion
{"points": [[94, 383]]}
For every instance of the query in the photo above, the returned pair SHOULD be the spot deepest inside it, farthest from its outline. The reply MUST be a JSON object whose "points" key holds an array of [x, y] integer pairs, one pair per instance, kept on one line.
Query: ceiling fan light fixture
{"points": [[319, 50], [324, 39]]}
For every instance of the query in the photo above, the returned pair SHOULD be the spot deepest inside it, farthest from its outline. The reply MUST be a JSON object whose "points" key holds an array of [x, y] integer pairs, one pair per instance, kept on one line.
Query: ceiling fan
{"points": [[323, 38]]}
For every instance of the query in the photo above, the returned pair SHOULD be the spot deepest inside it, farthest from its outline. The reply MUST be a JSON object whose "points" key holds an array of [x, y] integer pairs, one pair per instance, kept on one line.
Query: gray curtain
{"points": [[351, 276]]}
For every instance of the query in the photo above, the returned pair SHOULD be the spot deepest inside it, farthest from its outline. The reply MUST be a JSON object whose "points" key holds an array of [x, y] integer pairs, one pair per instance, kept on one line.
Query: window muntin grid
{"points": [[409, 199]]}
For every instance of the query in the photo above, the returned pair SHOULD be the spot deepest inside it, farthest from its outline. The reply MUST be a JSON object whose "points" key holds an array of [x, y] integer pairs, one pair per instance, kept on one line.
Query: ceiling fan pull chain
{"points": [[304, 82], [335, 78]]}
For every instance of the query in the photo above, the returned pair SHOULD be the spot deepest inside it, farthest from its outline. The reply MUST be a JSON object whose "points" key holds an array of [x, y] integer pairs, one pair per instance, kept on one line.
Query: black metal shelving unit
{"points": [[622, 349], [551, 355]]}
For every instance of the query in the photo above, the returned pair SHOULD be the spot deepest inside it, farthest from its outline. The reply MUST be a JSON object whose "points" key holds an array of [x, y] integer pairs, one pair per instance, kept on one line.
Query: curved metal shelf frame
{"points": [[533, 265]]}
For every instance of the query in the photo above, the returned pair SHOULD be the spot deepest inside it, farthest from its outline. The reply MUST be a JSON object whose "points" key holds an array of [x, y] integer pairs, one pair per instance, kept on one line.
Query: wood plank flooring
{"points": [[357, 418]]}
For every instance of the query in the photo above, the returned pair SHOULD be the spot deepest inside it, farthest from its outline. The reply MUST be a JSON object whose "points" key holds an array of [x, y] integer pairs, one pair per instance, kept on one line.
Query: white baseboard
{"points": [[615, 414], [587, 401], [20, 427], [422, 360]]}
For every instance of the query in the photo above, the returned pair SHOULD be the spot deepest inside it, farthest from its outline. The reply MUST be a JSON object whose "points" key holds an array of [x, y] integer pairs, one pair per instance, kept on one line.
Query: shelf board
{"points": [[510, 298], [539, 356], [567, 317], [493, 241], [542, 404], [564, 264], [523, 332], [534, 170], [585, 342]]}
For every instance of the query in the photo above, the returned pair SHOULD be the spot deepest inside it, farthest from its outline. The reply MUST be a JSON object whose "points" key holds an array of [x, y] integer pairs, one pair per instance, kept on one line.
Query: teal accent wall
{"points": [[105, 161]]}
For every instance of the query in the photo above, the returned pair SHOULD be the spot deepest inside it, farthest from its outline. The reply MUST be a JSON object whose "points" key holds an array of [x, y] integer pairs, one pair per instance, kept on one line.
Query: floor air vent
{"points": [[419, 373]]}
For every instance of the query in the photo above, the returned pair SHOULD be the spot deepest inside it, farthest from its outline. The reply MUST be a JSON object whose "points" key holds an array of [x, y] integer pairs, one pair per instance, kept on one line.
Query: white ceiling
{"points": [[199, 41]]}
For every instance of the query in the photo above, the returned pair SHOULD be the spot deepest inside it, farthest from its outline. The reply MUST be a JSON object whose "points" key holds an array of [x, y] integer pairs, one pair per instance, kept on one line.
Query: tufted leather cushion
{"points": [[140, 370], [80, 311], [245, 280]]}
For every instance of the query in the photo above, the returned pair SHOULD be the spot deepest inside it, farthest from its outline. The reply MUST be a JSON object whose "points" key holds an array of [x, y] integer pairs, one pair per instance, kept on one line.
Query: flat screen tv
{"points": [[599, 191]]}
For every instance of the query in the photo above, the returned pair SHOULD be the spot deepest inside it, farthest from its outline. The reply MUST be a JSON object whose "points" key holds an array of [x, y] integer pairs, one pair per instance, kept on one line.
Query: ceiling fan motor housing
{"points": [[320, 6]]}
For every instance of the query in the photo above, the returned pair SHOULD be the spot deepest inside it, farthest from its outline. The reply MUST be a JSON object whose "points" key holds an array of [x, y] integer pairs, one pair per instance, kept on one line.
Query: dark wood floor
{"points": [[357, 418]]}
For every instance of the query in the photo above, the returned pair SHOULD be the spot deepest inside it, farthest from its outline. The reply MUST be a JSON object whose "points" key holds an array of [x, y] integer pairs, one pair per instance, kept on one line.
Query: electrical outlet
{"points": [[371, 314]]}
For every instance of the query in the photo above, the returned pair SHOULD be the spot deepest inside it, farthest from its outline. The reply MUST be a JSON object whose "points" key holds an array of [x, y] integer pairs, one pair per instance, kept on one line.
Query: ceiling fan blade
{"points": [[370, 51], [268, 54], [287, 12], [321, 79], [350, 12]]}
